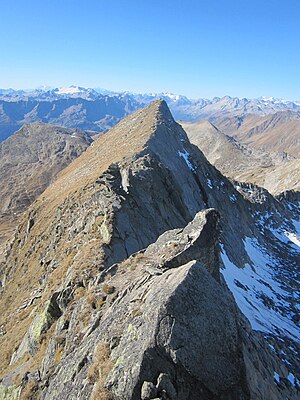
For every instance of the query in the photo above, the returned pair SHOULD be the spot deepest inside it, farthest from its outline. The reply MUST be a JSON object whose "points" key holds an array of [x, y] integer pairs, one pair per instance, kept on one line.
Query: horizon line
{"points": [[49, 88]]}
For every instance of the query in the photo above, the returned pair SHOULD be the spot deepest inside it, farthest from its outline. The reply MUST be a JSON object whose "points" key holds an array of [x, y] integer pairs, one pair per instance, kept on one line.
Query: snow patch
{"points": [[292, 378], [232, 198], [276, 377], [209, 183], [293, 238], [69, 90], [260, 297], [296, 226], [185, 155], [125, 180]]}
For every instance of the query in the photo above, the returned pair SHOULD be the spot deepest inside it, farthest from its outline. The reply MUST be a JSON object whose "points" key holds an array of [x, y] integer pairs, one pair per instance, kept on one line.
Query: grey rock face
{"points": [[194, 242], [179, 327], [195, 338], [41, 323], [175, 331]]}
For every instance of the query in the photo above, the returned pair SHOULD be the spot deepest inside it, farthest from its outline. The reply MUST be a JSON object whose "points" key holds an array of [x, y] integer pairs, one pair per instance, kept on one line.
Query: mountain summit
{"points": [[114, 285]]}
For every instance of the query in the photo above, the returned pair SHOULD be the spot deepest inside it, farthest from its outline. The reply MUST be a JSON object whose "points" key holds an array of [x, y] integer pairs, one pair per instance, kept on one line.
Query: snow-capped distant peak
{"points": [[270, 99], [172, 96], [69, 90]]}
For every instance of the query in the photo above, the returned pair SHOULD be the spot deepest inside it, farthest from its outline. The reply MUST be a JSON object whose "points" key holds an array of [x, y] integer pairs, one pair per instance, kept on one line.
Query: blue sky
{"points": [[197, 48]]}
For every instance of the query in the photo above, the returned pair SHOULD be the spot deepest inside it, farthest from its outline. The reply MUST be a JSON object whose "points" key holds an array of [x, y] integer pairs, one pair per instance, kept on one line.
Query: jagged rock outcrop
{"points": [[173, 331], [98, 242]]}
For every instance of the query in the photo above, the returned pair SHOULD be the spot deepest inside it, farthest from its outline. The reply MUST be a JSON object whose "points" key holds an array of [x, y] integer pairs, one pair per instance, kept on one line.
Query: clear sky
{"points": [[198, 48]]}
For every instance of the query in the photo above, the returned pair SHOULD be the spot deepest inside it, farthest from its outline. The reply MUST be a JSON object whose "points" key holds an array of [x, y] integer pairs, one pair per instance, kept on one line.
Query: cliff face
{"points": [[112, 286]]}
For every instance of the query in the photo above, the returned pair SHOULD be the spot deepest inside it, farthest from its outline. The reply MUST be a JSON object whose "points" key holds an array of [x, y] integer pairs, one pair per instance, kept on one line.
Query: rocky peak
{"points": [[116, 268]]}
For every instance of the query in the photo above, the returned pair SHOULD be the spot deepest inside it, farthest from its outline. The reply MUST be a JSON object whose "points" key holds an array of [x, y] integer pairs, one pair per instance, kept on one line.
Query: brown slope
{"points": [[29, 161], [278, 132], [225, 153], [276, 179], [241, 162]]}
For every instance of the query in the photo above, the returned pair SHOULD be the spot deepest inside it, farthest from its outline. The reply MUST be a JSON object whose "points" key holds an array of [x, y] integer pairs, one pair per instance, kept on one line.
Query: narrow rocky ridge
{"points": [[110, 203]]}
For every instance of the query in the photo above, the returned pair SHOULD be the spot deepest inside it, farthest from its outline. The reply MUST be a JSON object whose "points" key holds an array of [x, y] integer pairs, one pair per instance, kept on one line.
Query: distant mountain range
{"points": [[70, 110], [97, 110], [116, 105], [262, 105]]}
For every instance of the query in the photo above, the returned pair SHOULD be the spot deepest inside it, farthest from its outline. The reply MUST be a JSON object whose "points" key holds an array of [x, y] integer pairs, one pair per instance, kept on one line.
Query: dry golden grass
{"points": [[100, 303], [100, 393], [99, 370], [95, 302], [133, 261], [58, 354], [91, 300], [108, 289], [136, 312], [60, 340], [8, 224], [79, 293], [29, 392]]}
